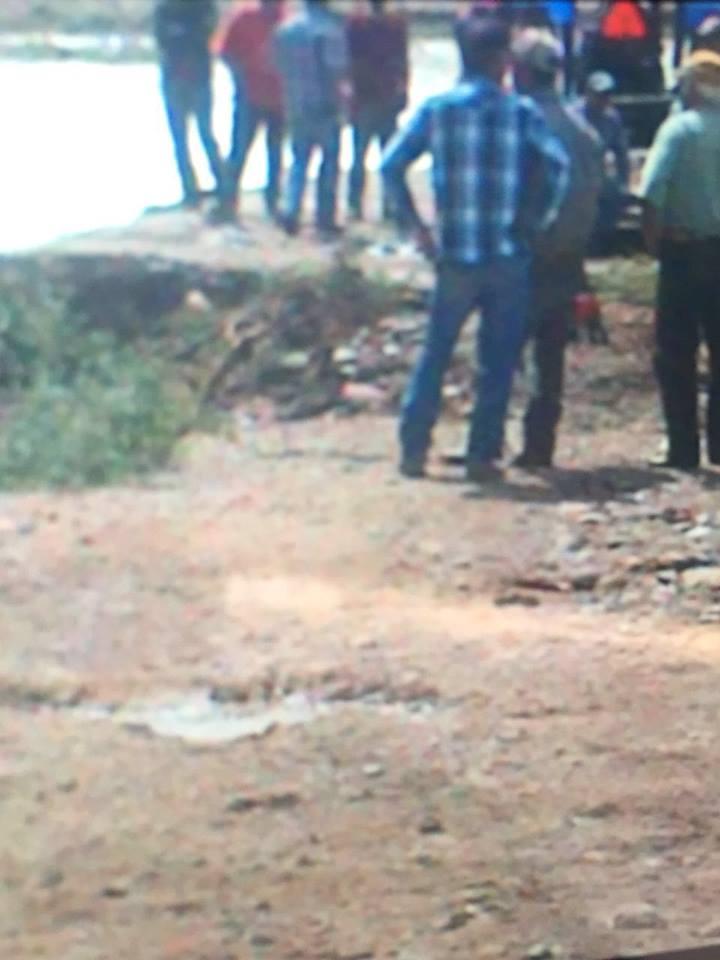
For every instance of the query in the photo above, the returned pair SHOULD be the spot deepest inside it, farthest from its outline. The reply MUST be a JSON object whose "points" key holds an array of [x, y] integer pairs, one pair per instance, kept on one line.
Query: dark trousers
{"points": [[247, 117], [367, 125], [554, 284], [187, 97], [688, 310]]}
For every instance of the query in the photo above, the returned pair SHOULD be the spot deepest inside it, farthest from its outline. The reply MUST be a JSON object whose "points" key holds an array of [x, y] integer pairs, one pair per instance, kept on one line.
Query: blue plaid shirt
{"points": [[485, 144]]}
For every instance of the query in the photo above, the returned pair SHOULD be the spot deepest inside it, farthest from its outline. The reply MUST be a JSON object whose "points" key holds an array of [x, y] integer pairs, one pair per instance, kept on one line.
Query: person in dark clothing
{"points": [[682, 228], [182, 32], [558, 254], [378, 47]]}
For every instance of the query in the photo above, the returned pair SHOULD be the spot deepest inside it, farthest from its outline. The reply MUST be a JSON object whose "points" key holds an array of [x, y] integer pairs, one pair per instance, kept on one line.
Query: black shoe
{"points": [[454, 459], [483, 472], [413, 468], [288, 224]]}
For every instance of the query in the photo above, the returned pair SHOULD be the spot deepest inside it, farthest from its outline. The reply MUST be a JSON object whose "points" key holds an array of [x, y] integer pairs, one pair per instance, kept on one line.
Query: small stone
{"points": [[242, 804], [261, 940], [458, 919], [585, 581], [114, 892], [283, 801], [373, 770], [52, 878], [707, 578], [542, 951], [641, 916], [516, 600], [431, 825]]}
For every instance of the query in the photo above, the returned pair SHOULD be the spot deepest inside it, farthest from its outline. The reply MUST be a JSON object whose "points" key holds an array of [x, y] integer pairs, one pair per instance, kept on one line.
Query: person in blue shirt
{"points": [[483, 142]]}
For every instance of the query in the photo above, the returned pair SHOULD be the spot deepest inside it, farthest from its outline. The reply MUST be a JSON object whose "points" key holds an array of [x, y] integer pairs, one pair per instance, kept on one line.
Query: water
{"points": [[85, 145]]}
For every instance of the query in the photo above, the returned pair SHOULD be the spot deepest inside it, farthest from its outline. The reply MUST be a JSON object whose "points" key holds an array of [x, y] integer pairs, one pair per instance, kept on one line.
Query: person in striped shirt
{"points": [[486, 146]]}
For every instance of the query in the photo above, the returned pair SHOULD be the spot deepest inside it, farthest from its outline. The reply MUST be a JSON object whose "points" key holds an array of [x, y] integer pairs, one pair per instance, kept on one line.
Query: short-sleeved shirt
{"points": [[681, 179], [483, 143], [312, 57], [244, 42]]}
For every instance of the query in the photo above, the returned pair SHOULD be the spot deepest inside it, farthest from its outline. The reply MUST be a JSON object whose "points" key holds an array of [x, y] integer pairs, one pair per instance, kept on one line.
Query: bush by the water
{"points": [[78, 407]]}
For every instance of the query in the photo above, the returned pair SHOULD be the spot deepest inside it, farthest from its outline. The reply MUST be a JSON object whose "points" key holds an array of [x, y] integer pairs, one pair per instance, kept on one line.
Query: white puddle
{"points": [[198, 719]]}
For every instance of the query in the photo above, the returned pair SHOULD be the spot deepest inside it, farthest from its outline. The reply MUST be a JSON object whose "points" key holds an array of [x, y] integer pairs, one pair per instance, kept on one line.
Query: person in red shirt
{"points": [[378, 45], [244, 42]]}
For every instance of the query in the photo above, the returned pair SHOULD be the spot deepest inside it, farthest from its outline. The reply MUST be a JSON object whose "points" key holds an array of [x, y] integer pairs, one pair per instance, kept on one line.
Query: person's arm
{"points": [[554, 169], [337, 61], [659, 169], [402, 151]]}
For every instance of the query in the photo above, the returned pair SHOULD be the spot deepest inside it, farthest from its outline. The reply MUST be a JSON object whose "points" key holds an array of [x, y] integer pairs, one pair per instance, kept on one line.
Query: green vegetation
{"points": [[78, 406]]}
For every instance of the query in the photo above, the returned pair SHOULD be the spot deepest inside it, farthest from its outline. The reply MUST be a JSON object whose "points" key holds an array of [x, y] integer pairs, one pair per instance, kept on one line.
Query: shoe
{"points": [[288, 224], [486, 472], [413, 468], [221, 212]]}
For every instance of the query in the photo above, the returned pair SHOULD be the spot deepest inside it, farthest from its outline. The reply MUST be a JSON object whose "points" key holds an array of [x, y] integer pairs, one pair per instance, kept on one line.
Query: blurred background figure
{"points": [[312, 57], [182, 32], [378, 47], [557, 267], [245, 44], [597, 110]]}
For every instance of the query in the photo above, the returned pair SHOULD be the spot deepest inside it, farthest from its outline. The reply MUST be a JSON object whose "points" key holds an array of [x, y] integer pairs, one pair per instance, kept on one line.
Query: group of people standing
{"points": [[301, 74], [521, 185]]}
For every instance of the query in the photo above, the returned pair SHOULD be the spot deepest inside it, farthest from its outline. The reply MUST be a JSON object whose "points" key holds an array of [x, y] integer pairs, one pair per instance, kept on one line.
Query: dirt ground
{"points": [[479, 722]]}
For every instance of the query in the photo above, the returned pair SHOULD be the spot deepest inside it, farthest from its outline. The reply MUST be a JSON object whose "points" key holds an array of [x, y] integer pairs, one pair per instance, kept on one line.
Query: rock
{"points": [[197, 301], [114, 892], [283, 801], [544, 584], [542, 951], [711, 931], [373, 770], [702, 578], [640, 916], [242, 804], [431, 825], [516, 600], [699, 533], [261, 940], [52, 878], [458, 919], [599, 811], [585, 581]]}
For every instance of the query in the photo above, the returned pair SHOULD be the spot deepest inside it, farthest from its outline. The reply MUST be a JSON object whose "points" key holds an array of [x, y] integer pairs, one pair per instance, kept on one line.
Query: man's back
{"points": [[571, 231], [378, 56], [245, 44], [683, 171], [482, 142], [311, 55]]}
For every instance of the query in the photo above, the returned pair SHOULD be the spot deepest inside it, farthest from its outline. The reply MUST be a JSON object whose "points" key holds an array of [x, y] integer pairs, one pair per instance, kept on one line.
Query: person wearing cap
{"points": [[482, 142], [681, 224], [596, 109], [558, 253]]}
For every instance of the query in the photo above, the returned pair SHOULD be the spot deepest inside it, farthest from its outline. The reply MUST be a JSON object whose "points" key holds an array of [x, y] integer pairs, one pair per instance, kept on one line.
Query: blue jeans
{"points": [[367, 125], [501, 290], [305, 138], [247, 117], [187, 97]]}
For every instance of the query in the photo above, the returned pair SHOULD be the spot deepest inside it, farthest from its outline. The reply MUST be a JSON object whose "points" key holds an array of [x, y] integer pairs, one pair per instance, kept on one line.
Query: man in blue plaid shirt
{"points": [[487, 146]]}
